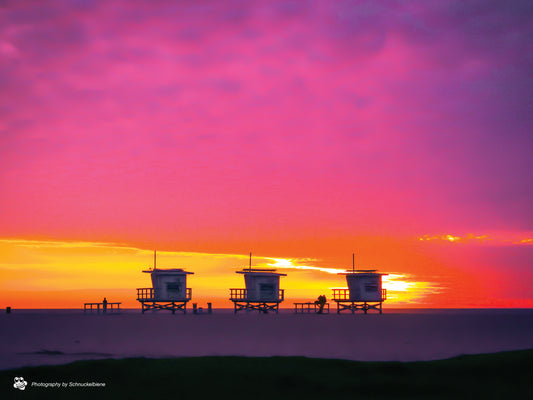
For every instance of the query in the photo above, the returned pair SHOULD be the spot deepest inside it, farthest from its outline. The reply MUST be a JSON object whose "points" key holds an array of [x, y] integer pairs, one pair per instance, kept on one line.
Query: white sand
{"points": [[404, 336]]}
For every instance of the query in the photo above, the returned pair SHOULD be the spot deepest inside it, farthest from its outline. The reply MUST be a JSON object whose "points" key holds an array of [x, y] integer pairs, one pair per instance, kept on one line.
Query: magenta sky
{"points": [[212, 125]]}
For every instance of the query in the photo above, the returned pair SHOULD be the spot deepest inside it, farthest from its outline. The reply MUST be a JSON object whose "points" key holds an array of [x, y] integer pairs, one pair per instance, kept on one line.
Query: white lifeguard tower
{"points": [[262, 290], [169, 290], [364, 291]]}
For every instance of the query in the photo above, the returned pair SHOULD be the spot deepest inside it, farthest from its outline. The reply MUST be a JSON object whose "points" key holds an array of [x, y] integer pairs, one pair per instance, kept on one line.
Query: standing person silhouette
{"points": [[104, 305]]}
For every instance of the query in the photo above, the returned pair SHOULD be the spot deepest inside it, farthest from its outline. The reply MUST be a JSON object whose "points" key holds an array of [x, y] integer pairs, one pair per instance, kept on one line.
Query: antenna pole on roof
{"points": [[155, 259], [250, 261], [353, 262]]}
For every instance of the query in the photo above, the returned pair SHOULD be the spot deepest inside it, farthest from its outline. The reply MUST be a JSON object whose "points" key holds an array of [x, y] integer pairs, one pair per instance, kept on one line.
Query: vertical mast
{"points": [[353, 262], [155, 259], [250, 265]]}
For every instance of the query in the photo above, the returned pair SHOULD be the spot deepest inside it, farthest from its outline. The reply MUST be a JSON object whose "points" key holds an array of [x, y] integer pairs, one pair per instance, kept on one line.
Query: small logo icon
{"points": [[20, 383]]}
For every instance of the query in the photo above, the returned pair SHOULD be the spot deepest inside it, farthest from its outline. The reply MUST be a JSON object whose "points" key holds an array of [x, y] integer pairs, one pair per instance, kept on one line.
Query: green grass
{"points": [[490, 376]]}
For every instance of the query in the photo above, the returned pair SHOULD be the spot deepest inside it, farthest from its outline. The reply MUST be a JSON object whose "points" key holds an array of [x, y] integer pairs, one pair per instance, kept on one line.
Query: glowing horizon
{"points": [[49, 271], [397, 287]]}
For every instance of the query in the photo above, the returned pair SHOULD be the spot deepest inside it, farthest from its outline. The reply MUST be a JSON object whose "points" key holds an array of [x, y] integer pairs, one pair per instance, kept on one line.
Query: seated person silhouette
{"points": [[321, 302]]}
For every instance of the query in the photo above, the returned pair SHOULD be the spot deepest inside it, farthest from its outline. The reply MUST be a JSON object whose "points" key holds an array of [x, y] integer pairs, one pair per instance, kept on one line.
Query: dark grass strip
{"points": [[487, 376]]}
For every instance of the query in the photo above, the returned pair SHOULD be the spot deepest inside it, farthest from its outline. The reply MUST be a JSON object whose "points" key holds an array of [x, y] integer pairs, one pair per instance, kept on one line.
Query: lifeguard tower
{"points": [[262, 290], [364, 291], [169, 290]]}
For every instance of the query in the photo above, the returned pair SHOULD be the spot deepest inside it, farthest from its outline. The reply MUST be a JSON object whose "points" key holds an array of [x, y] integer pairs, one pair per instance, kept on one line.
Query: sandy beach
{"points": [[57, 337]]}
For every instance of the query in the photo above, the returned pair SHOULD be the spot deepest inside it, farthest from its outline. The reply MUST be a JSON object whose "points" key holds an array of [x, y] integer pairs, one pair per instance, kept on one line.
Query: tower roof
{"points": [[168, 271], [361, 272], [260, 271]]}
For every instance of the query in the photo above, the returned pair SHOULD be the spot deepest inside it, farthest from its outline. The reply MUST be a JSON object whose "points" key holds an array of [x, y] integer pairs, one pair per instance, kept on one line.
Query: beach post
{"points": [[169, 290], [209, 308], [261, 290], [8, 310]]}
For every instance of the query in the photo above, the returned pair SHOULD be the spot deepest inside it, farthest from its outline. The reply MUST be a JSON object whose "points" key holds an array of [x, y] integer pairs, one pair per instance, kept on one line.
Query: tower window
{"points": [[371, 287]]}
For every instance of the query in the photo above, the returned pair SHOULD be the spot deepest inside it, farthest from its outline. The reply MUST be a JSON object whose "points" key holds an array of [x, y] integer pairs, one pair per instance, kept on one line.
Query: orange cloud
{"points": [[498, 239]]}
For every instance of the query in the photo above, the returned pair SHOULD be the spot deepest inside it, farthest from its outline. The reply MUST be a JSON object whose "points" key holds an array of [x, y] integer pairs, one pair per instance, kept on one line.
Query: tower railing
{"points": [[242, 295], [238, 294], [341, 294], [344, 294], [147, 294]]}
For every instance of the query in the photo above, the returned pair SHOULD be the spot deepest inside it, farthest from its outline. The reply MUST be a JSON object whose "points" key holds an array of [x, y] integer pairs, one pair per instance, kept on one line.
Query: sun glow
{"points": [[402, 289], [294, 264]]}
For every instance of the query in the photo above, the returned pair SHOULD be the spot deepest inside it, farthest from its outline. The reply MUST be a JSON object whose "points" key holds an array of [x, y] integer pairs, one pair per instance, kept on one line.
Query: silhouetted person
{"points": [[104, 305], [321, 302]]}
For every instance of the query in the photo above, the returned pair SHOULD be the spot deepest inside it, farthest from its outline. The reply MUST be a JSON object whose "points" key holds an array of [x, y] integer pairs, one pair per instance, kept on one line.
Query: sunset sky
{"points": [[302, 131]]}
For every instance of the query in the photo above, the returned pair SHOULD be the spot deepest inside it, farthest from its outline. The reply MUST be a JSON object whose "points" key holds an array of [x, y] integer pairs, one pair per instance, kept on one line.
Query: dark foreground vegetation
{"points": [[490, 376]]}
